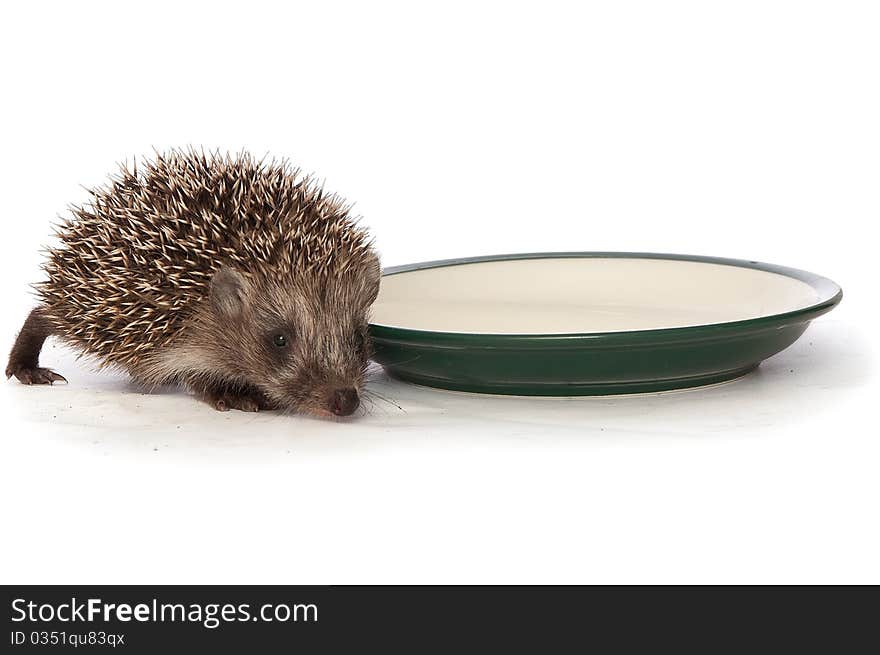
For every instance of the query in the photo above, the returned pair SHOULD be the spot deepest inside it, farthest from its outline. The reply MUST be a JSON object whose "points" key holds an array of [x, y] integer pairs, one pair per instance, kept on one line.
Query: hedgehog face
{"points": [[302, 343]]}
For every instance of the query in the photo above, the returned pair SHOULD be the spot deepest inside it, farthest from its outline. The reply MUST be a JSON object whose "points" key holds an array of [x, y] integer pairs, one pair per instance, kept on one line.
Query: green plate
{"points": [[589, 323]]}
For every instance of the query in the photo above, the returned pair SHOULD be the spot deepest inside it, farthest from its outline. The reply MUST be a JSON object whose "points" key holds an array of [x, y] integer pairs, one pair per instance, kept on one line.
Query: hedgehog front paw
{"points": [[35, 375], [223, 402]]}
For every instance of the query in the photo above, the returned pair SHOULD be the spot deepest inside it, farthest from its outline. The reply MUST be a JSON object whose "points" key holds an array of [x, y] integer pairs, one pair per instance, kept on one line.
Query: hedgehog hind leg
{"points": [[24, 357]]}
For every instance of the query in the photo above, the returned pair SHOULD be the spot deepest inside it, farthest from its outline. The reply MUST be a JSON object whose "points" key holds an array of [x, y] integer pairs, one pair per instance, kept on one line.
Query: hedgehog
{"points": [[239, 279]]}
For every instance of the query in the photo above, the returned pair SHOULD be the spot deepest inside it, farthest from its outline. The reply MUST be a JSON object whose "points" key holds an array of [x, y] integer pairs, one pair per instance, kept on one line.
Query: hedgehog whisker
{"points": [[373, 405], [365, 411], [376, 394]]}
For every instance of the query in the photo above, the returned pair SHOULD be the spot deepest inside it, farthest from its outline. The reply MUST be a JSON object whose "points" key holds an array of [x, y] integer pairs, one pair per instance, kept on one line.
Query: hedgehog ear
{"points": [[229, 291]]}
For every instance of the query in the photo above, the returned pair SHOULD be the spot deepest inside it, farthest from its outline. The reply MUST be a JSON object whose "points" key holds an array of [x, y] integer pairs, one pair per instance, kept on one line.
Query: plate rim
{"points": [[829, 295]]}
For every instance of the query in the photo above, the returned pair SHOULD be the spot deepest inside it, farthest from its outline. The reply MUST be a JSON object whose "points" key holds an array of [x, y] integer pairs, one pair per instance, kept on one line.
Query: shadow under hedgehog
{"points": [[238, 279]]}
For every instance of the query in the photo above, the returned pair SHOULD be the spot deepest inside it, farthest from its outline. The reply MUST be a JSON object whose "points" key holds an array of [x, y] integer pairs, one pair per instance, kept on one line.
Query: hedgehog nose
{"points": [[343, 402]]}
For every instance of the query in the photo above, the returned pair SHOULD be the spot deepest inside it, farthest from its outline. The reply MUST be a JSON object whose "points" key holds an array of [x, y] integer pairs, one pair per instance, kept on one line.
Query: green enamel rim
{"points": [[595, 363]]}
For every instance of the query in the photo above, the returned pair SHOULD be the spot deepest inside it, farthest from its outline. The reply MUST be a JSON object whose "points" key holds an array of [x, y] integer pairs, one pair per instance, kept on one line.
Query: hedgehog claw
{"points": [[225, 402], [37, 376]]}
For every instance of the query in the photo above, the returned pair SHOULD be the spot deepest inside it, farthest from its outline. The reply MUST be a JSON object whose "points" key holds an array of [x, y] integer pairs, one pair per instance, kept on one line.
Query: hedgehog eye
{"points": [[280, 340]]}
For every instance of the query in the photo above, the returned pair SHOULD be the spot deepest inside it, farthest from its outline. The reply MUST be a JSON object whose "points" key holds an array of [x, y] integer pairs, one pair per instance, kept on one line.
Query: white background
{"points": [[742, 129]]}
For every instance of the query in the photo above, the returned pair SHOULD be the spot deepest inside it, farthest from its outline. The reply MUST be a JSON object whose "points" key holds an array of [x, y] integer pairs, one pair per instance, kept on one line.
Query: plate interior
{"points": [[578, 295]]}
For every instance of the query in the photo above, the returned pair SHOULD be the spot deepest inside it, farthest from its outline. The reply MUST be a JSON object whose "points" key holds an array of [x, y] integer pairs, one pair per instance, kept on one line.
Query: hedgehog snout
{"points": [[343, 402]]}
